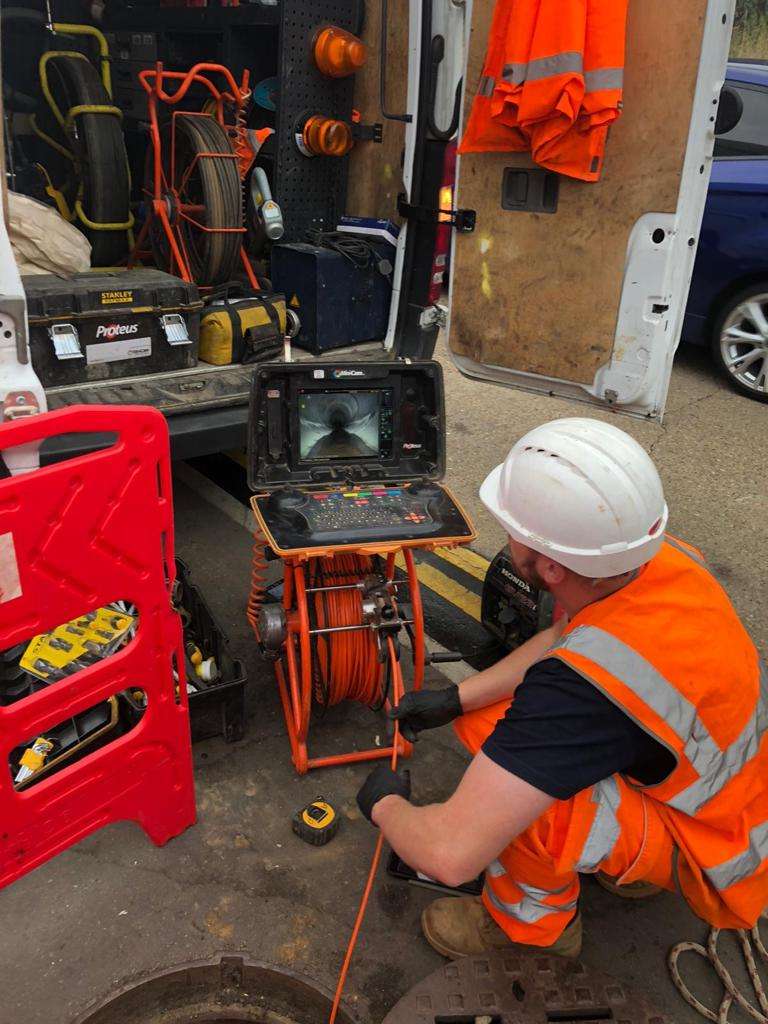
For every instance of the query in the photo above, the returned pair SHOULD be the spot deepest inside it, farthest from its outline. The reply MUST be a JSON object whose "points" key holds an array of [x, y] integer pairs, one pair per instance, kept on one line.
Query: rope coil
{"points": [[731, 994]]}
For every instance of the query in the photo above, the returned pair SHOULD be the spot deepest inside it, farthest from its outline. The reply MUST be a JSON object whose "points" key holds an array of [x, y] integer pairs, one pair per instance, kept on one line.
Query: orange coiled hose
{"points": [[258, 581], [347, 664]]}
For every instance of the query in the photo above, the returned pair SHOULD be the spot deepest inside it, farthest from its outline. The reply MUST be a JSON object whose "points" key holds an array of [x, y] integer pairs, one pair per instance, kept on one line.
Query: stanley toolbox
{"points": [[106, 325]]}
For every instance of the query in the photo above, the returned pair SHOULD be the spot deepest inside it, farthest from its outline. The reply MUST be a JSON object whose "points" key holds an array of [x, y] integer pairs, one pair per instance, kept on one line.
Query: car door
{"points": [[579, 289]]}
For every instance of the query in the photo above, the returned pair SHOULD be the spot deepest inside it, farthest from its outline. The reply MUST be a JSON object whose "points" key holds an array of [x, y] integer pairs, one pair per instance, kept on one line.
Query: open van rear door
{"points": [[579, 289]]}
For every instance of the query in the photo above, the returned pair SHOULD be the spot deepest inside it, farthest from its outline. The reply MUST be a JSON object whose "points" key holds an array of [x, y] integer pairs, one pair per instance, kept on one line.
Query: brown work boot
{"points": [[461, 926], [632, 891]]}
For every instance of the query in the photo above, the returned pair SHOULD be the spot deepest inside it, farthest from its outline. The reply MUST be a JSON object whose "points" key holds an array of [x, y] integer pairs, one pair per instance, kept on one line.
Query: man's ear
{"points": [[552, 572]]}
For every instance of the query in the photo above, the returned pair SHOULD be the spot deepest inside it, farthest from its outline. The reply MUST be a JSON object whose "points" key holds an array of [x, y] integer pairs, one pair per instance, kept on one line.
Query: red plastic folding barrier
{"points": [[74, 536]]}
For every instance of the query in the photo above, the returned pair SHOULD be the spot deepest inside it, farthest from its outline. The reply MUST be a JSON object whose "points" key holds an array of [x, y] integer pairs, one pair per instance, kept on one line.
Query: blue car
{"points": [[728, 301]]}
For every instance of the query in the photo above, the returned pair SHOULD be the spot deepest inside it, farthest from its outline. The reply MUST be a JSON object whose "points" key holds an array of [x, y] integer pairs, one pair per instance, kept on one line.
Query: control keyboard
{"points": [[298, 519]]}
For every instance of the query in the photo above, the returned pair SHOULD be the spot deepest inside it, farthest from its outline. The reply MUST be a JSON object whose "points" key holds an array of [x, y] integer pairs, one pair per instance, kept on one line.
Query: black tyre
{"points": [[97, 140], [740, 341], [210, 195]]}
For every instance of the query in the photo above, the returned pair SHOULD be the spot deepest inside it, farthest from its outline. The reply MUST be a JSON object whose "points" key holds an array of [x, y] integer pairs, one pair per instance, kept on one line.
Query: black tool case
{"points": [[107, 325], [217, 709]]}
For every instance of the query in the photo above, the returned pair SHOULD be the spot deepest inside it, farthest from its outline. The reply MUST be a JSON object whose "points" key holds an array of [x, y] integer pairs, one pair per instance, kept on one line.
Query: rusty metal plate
{"points": [[511, 988]]}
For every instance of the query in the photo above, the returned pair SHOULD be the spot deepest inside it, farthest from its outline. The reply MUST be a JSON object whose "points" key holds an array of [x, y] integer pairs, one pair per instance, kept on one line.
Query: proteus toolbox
{"points": [[104, 325]]}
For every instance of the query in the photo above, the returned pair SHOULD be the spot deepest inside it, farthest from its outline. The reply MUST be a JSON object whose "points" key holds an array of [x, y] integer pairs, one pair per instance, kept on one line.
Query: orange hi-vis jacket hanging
{"points": [[551, 83], [670, 651]]}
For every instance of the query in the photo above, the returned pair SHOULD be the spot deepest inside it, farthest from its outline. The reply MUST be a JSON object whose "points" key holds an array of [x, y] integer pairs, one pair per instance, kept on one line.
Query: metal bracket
{"points": [[461, 220], [175, 328], [433, 316], [19, 403], [66, 342], [368, 132]]}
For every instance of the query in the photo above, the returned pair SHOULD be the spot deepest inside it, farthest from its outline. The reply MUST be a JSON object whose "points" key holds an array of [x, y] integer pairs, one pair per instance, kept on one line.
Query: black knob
{"points": [[285, 499], [425, 489]]}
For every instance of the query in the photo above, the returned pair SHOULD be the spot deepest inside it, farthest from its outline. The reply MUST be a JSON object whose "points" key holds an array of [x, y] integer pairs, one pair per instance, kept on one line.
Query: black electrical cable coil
{"points": [[359, 251]]}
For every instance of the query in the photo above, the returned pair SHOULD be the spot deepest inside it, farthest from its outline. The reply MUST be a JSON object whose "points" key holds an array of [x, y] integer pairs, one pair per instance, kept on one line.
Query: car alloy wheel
{"points": [[744, 344]]}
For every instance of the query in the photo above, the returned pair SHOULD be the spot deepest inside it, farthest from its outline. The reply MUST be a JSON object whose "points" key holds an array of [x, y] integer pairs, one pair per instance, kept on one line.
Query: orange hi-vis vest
{"points": [[670, 650], [552, 83]]}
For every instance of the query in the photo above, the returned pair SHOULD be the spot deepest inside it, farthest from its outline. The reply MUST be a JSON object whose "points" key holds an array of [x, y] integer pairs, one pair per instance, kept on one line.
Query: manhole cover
{"points": [[503, 987], [226, 990]]}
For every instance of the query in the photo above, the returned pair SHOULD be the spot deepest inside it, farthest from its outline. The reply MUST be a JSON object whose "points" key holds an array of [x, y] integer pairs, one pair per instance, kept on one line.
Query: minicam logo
{"points": [[110, 331], [348, 373], [409, 446]]}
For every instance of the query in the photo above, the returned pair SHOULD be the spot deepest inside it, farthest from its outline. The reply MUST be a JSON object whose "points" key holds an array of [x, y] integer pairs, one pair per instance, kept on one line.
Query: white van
{"points": [[581, 295]]}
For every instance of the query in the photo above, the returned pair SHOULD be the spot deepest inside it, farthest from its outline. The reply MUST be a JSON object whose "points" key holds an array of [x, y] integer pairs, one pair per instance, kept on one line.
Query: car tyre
{"points": [[740, 341]]}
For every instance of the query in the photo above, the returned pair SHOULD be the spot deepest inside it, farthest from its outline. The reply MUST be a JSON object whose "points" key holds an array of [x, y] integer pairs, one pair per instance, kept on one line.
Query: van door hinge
{"points": [[462, 220]]}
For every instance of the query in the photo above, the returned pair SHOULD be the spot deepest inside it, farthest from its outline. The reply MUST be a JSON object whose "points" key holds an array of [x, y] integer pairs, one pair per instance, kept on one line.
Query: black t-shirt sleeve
{"points": [[562, 735]]}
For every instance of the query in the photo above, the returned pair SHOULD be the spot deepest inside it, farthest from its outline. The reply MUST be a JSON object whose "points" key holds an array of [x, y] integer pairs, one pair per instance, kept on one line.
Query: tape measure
{"points": [[317, 823]]}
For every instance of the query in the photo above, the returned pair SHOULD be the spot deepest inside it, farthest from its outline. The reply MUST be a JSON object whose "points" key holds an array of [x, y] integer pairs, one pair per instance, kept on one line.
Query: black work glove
{"points": [[426, 709], [383, 782]]}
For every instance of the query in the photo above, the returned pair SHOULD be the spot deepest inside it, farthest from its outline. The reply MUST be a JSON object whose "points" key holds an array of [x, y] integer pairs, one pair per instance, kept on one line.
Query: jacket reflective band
{"points": [[604, 832], [531, 908], [714, 766], [684, 550], [487, 85], [743, 864], [571, 62], [604, 78]]}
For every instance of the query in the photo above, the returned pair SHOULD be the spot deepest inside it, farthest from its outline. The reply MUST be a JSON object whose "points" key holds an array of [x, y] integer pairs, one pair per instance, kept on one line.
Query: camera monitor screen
{"points": [[340, 425]]}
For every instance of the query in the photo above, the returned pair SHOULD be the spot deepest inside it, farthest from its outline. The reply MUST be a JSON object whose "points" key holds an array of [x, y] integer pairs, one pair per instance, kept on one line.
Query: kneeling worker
{"points": [[628, 739]]}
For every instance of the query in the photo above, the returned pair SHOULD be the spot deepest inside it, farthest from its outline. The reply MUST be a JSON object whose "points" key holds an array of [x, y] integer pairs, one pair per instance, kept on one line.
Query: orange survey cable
{"points": [[397, 692], [258, 580]]}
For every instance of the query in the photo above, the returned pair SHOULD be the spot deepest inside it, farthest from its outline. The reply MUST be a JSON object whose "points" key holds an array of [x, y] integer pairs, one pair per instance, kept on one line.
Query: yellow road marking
{"points": [[238, 457], [446, 588], [469, 561]]}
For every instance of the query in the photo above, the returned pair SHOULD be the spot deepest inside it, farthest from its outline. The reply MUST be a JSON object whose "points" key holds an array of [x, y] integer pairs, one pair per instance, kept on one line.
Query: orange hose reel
{"points": [[334, 639]]}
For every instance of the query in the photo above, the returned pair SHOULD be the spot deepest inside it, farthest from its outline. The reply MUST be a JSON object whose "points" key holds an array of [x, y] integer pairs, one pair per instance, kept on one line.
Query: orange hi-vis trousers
{"points": [[532, 890]]}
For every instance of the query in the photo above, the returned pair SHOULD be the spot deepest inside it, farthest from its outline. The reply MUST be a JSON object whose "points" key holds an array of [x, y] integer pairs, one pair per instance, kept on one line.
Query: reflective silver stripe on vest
{"points": [[487, 85], [495, 869], [604, 78], [531, 908], [686, 551], [732, 759], [604, 833], [743, 864], [714, 766], [570, 61]]}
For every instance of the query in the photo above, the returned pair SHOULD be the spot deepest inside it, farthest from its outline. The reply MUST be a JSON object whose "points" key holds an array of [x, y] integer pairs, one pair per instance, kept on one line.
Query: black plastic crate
{"points": [[218, 709]]}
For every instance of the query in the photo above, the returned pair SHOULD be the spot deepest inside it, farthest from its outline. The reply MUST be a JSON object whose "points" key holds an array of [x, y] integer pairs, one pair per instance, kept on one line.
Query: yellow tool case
{"points": [[241, 329]]}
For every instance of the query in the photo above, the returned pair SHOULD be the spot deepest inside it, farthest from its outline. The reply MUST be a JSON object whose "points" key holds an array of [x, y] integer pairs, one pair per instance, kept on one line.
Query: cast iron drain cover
{"points": [[504, 988], [225, 990]]}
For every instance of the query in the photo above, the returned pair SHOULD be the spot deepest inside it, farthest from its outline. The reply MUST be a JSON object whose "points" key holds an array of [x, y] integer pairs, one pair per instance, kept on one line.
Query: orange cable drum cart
{"points": [[193, 185], [347, 459]]}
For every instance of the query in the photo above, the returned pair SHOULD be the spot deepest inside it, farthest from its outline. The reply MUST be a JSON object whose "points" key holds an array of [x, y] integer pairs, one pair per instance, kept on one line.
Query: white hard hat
{"points": [[583, 493]]}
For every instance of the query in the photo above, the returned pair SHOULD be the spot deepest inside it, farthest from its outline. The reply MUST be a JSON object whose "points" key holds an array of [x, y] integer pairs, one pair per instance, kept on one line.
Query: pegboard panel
{"points": [[310, 190]]}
